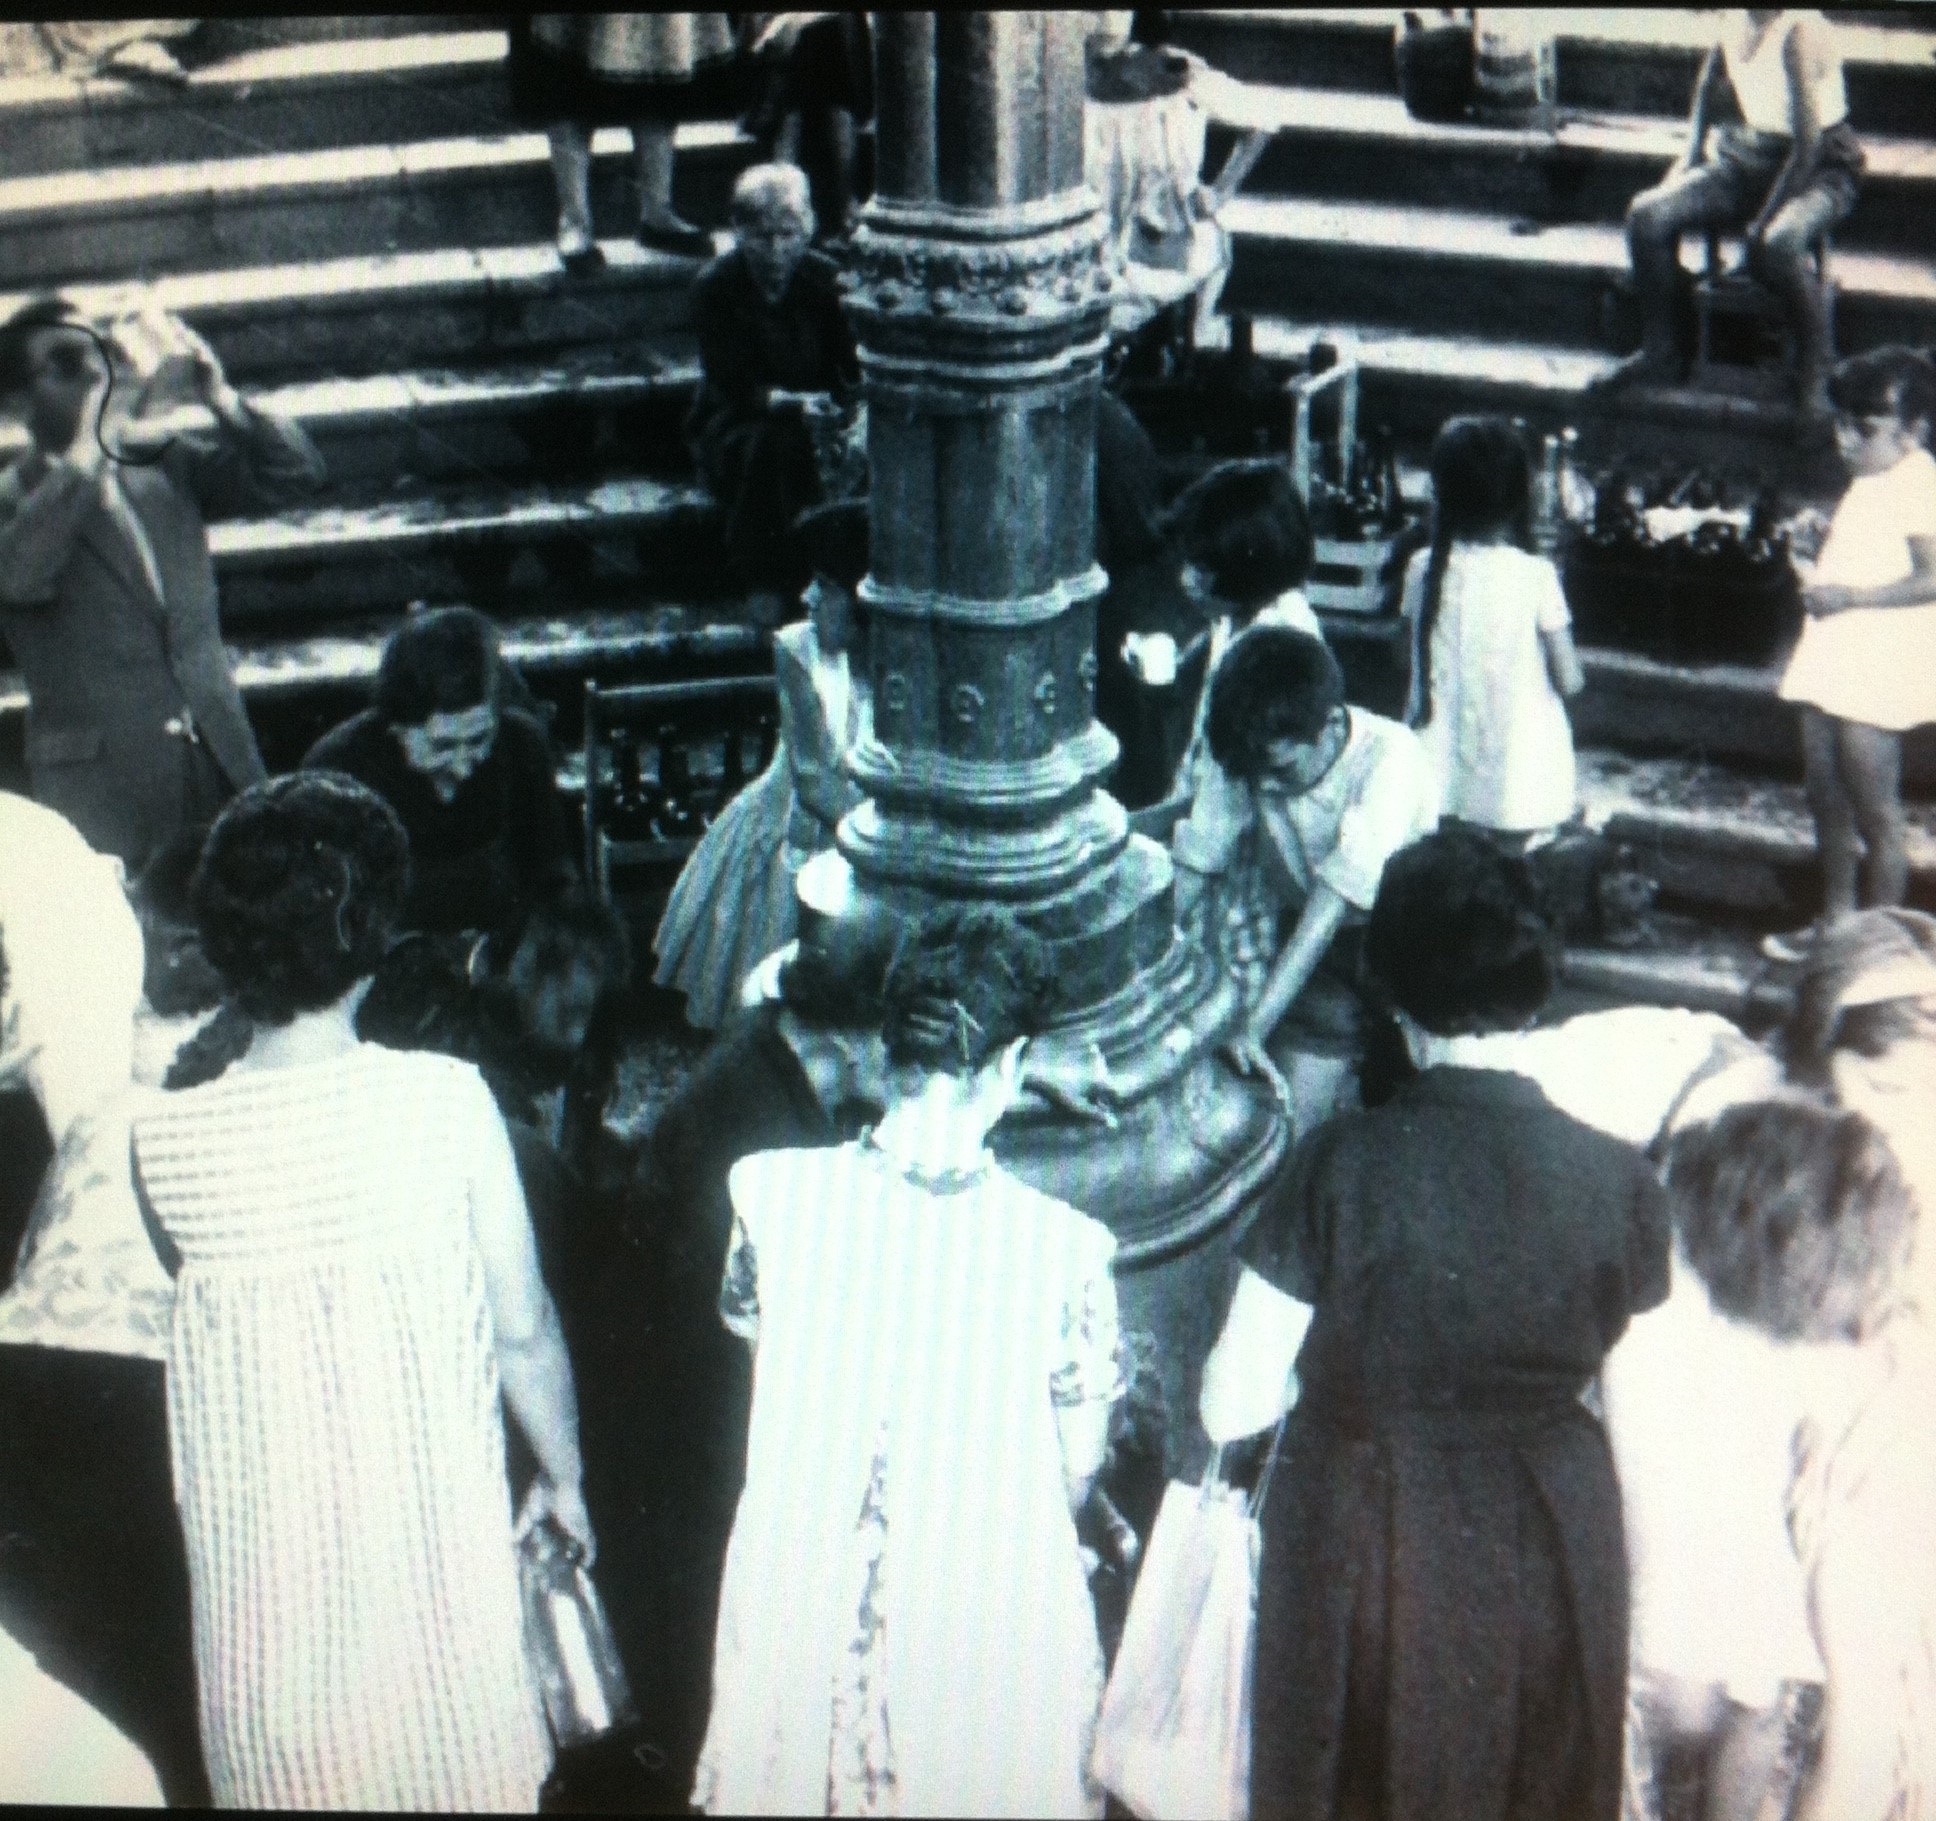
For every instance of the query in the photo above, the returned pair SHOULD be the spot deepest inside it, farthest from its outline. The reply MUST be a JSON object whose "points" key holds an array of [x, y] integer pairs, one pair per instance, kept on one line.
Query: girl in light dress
{"points": [[733, 904], [1865, 669], [1492, 654], [905, 1625]]}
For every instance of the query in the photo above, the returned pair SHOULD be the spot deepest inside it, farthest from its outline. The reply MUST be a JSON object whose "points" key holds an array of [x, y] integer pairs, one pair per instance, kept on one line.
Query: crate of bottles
{"points": [[1361, 531]]}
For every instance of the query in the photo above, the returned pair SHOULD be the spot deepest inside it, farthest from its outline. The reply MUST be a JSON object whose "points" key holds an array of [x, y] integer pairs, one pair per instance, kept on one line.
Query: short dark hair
{"points": [[564, 930], [299, 890], [966, 981], [1458, 937], [1244, 526], [44, 310], [832, 541], [1778, 1202], [1273, 683], [440, 661], [1888, 381]]}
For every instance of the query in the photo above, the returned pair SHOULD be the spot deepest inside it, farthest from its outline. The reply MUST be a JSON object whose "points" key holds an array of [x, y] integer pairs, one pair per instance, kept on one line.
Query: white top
{"points": [[1619, 1071], [905, 1501], [1760, 79], [1499, 742], [88, 1278], [1876, 665], [1373, 801], [1701, 1414]]}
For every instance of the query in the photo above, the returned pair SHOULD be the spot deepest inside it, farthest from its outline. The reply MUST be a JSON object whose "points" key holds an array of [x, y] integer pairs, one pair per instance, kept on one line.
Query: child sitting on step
{"points": [[1865, 669], [1492, 656]]}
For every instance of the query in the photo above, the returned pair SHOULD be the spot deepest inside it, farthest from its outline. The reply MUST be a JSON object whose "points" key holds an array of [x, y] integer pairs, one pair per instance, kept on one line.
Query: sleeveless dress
{"points": [[732, 904], [905, 1626], [337, 1437]]}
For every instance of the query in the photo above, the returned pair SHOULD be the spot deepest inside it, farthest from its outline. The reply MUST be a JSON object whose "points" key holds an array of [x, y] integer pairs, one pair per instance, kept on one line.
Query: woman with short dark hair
{"points": [[935, 1365], [470, 774], [1428, 1290], [357, 1302]]}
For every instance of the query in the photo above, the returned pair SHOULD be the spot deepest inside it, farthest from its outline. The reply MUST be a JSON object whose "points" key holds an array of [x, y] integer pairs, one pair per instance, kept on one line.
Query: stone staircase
{"points": [[347, 210]]}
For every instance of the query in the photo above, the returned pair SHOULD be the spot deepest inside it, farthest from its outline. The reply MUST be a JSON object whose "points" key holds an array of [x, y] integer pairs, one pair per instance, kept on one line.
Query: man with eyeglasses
{"points": [[1292, 825], [135, 728]]}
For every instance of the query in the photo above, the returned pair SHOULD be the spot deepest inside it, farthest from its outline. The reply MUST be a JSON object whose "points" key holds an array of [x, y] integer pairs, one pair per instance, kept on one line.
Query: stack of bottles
{"points": [[1679, 566]]}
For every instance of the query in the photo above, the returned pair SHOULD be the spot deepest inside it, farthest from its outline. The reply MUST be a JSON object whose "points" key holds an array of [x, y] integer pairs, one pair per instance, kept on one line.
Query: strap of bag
{"points": [[1270, 1465], [165, 1248]]}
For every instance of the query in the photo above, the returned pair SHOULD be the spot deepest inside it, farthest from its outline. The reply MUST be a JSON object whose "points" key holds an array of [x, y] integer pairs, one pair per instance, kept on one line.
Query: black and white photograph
{"points": [[970, 913]]}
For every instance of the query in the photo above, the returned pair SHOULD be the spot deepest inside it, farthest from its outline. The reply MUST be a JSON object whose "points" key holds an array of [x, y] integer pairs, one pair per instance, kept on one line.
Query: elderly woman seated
{"points": [[469, 775], [778, 361]]}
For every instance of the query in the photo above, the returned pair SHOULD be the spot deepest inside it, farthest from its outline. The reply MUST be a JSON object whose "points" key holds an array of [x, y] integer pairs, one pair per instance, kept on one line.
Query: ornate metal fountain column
{"points": [[981, 302]]}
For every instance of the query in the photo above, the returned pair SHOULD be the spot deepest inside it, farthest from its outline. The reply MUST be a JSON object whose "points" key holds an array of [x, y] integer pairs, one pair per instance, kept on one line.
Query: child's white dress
{"points": [[1876, 665], [1498, 742]]}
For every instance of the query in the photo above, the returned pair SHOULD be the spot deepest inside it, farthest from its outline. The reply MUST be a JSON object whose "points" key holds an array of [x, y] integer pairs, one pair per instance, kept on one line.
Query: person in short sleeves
{"points": [[1865, 669], [1493, 661], [1429, 1288], [1294, 821], [905, 1625]]}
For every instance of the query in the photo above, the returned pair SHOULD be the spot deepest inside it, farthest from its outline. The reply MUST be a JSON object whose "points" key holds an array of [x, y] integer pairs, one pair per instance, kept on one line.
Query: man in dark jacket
{"points": [[135, 728]]}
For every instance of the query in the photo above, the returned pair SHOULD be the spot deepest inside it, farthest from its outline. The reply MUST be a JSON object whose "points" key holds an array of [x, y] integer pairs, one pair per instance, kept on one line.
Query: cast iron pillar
{"points": [[981, 303]]}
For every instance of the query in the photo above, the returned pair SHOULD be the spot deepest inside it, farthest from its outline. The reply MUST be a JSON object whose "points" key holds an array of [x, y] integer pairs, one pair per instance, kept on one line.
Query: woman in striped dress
{"points": [[356, 1289]]}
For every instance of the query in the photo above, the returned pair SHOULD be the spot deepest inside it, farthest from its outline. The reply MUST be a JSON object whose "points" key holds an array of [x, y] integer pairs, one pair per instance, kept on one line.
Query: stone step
{"points": [[1725, 839], [1633, 59], [143, 221], [636, 537], [287, 97], [1342, 146], [1412, 381], [385, 313], [562, 418], [1684, 962], [1475, 274]]}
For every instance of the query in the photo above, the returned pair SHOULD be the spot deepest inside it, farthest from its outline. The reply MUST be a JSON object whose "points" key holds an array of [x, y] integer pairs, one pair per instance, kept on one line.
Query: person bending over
{"points": [[1279, 859], [471, 778]]}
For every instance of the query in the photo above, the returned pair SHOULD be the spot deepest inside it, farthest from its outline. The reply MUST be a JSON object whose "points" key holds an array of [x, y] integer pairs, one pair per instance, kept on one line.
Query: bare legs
{"points": [[1784, 261], [652, 153], [571, 172], [1855, 792], [1682, 201]]}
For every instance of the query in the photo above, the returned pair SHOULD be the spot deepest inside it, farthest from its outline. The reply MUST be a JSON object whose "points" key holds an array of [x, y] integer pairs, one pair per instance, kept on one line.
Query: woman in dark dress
{"points": [[777, 358], [1430, 1288], [470, 777]]}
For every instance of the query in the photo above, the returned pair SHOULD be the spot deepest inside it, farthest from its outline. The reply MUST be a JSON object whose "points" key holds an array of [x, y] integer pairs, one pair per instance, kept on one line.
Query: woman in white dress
{"points": [[905, 1625], [357, 1302]]}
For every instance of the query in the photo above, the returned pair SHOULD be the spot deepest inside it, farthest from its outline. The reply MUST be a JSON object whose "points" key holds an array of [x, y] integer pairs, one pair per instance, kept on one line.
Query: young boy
{"points": [[1784, 177], [1865, 669]]}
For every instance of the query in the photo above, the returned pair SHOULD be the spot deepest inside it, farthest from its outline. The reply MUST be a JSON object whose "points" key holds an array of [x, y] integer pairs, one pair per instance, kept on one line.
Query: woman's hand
{"points": [[563, 1506], [1247, 1055]]}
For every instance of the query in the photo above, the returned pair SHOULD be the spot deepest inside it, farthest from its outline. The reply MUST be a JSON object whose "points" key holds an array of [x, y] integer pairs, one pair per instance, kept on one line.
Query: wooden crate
{"points": [[1348, 575]]}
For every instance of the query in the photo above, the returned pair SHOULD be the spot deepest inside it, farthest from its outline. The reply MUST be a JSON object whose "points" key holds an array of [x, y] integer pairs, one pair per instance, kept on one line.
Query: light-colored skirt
{"points": [[1875, 665], [733, 902]]}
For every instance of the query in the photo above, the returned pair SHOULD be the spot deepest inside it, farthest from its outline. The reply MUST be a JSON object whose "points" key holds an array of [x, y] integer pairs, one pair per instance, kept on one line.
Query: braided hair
{"points": [[299, 890], [965, 982], [1482, 484]]}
